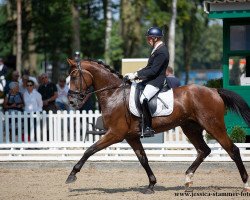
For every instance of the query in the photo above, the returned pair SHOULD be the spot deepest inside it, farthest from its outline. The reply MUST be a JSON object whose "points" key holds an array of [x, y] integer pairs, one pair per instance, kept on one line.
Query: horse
{"points": [[196, 108]]}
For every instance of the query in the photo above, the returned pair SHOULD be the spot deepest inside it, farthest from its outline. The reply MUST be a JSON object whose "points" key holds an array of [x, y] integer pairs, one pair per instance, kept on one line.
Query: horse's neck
{"points": [[105, 83]]}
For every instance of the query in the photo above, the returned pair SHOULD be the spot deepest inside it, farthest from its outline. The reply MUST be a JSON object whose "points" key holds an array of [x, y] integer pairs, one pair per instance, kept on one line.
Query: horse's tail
{"points": [[236, 103]]}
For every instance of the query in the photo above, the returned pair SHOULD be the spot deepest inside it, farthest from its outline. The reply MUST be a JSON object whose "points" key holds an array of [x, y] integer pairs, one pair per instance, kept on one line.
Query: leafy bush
{"points": [[214, 83], [238, 134]]}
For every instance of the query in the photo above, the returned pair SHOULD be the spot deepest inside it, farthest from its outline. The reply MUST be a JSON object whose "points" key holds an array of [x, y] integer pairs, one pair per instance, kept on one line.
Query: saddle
{"points": [[160, 105]]}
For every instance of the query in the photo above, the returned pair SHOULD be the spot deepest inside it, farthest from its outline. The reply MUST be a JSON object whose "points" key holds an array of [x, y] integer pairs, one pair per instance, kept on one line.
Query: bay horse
{"points": [[196, 108]]}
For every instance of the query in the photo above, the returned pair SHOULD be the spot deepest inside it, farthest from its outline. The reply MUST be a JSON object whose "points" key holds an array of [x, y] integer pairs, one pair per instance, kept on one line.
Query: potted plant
{"points": [[238, 135]]}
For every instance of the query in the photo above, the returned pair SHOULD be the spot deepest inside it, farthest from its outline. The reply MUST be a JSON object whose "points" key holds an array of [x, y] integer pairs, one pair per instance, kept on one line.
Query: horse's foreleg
{"points": [[104, 142], [136, 144], [194, 134]]}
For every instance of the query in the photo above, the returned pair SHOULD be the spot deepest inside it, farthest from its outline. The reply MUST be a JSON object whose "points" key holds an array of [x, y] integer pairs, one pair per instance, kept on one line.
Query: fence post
{"points": [[77, 128], [38, 126], [1, 127], [44, 126], [25, 126], [98, 113], [51, 128], [65, 126], [31, 123], [19, 127], [90, 121], [84, 125], [13, 127], [58, 125], [71, 123]]}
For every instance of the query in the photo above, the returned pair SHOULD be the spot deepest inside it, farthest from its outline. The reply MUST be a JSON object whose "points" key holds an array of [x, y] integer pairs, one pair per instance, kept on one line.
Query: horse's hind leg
{"points": [[194, 133], [234, 153], [136, 144], [107, 140]]}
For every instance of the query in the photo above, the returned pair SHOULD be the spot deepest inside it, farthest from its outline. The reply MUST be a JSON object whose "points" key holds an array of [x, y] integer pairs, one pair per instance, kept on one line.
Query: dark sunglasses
{"points": [[29, 85]]}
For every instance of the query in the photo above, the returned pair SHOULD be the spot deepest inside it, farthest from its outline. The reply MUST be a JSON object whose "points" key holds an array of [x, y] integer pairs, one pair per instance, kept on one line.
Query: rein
{"points": [[84, 94], [80, 95]]}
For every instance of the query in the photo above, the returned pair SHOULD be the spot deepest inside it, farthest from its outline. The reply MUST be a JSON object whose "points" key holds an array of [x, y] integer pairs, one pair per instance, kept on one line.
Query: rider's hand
{"points": [[131, 76]]}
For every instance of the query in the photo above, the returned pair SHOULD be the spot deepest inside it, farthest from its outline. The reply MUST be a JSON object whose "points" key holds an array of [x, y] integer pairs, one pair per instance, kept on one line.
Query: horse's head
{"points": [[80, 81]]}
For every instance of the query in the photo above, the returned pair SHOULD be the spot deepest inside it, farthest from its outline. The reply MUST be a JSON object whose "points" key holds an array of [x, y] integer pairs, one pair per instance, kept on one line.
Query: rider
{"points": [[153, 75]]}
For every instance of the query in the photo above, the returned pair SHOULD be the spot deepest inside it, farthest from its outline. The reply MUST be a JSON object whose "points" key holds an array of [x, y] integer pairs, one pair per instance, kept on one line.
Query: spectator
{"points": [[32, 99], [3, 68], [62, 99], [27, 72], [23, 83], [48, 90], [171, 80], [32, 103], [3, 73], [14, 78], [13, 100]]}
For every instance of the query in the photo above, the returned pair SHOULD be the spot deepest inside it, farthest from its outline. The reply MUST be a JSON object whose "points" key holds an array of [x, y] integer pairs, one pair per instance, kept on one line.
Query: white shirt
{"points": [[32, 101], [156, 46], [62, 94]]}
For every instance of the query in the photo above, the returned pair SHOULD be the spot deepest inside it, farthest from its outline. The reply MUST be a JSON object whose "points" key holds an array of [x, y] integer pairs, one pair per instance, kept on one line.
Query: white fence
{"points": [[64, 136]]}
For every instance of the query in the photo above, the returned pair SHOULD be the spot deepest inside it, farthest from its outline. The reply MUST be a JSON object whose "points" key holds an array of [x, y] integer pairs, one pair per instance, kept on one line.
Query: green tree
{"points": [[130, 14], [6, 32], [191, 21], [209, 52]]}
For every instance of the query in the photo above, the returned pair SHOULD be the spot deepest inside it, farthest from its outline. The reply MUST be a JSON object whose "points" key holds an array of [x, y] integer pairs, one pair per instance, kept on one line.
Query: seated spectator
{"points": [[3, 73], [23, 83], [48, 90], [14, 78], [13, 101], [62, 99], [32, 99]]}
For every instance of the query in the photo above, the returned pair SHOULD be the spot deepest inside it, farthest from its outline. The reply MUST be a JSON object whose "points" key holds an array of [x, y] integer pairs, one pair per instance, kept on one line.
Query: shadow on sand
{"points": [[142, 189]]}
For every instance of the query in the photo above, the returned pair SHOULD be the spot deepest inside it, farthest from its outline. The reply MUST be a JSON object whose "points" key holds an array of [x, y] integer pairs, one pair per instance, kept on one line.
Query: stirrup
{"points": [[148, 132]]}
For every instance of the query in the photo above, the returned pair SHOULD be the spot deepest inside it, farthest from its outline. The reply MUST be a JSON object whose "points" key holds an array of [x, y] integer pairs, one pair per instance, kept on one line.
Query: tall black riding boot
{"points": [[147, 126]]}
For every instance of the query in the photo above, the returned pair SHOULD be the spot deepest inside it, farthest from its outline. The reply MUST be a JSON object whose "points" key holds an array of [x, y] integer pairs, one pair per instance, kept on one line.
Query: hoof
{"points": [[71, 179], [188, 184], [246, 189], [149, 191]]}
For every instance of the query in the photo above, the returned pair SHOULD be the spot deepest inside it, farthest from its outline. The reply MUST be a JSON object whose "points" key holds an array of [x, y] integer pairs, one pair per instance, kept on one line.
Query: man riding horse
{"points": [[152, 76]]}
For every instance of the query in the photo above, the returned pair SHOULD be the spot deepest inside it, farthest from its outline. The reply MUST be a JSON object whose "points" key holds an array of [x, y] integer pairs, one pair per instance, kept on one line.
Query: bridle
{"points": [[81, 95]]}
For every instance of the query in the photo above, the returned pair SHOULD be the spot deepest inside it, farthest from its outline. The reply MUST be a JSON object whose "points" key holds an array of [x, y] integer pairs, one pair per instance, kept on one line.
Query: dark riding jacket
{"points": [[155, 71]]}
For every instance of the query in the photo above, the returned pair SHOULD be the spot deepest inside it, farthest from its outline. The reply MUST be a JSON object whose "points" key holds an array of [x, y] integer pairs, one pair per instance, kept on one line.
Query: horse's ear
{"points": [[71, 62]]}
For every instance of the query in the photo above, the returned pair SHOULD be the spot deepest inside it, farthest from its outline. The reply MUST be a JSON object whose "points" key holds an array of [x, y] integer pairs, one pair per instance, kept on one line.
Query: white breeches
{"points": [[148, 92]]}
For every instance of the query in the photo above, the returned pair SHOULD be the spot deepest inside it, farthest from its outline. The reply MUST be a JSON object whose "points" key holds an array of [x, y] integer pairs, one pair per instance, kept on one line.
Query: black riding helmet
{"points": [[154, 32]]}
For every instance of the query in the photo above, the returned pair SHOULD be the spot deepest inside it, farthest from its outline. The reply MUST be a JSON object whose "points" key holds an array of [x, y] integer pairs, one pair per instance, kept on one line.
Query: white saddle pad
{"points": [[165, 103]]}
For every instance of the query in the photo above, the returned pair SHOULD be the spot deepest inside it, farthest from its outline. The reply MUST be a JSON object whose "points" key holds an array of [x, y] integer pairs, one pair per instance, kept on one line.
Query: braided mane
{"points": [[106, 66]]}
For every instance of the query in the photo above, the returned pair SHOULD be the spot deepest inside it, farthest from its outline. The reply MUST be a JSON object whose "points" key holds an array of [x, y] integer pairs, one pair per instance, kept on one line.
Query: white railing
{"points": [[62, 126], [63, 136]]}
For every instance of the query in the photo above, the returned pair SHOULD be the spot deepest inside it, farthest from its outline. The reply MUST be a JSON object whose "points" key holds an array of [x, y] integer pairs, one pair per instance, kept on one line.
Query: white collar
{"points": [[156, 46]]}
